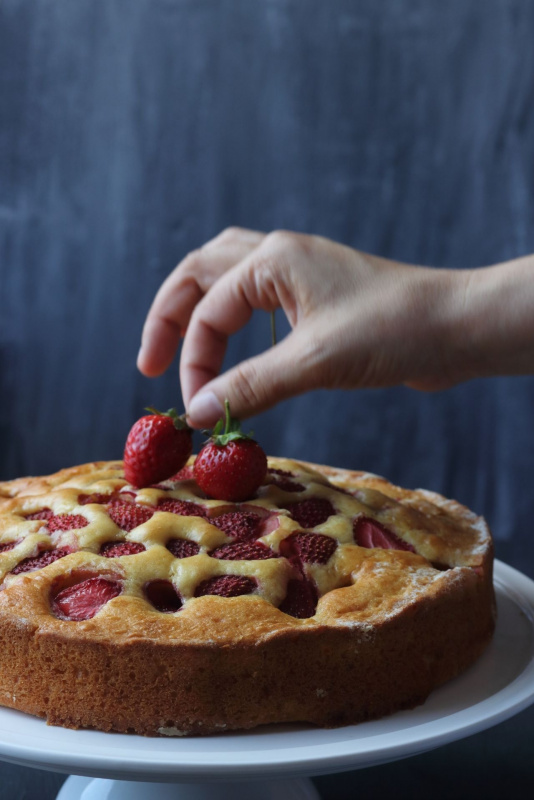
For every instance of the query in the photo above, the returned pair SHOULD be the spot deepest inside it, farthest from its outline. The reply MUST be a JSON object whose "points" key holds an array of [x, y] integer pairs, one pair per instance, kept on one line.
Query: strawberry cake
{"points": [[330, 597]]}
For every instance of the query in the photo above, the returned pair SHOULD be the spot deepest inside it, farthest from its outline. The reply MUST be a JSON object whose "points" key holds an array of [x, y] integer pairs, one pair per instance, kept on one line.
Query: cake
{"points": [[329, 598]]}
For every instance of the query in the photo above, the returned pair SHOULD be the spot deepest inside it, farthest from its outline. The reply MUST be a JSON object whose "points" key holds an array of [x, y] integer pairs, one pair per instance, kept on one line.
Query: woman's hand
{"points": [[357, 321]]}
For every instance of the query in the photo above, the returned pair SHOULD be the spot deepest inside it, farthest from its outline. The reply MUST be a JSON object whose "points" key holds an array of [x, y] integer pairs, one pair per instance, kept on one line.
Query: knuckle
{"points": [[261, 268], [292, 245], [279, 250], [231, 233], [227, 236], [280, 240], [192, 263], [261, 280]]}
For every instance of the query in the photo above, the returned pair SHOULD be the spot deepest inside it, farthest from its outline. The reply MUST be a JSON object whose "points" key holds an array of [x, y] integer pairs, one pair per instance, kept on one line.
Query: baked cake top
{"points": [[82, 550]]}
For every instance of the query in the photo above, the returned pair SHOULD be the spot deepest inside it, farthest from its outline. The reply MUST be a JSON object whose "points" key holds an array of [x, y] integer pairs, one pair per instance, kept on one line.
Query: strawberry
{"points": [[128, 516], [42, 560], [231, 466], [341, 490], [314, 548], [283, 480], [182, 507], [157, 447], [44, 513], [182, 548], [311, 512], [163, 596], [238, 524], [243, 551], [123, 496], [300, 600], [284, 472], [226, 586], [117, 549], [97, 497], [7, 546], [370, 533], [85, 599], [66, 522], [59, 522], [288, 485], [185, 474]]}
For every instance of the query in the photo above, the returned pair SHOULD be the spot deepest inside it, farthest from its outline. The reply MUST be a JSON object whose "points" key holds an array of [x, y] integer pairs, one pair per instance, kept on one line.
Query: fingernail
{"points": [[205, 409]]}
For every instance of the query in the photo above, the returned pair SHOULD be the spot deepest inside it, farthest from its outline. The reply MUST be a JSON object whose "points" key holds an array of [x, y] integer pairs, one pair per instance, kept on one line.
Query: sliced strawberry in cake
{"points": [[182, 548], [370, 533], [312, 511], [41, 560], [128, 516], [284, 480], [239, 524], [163, 596], [66, 522], [226, 586], [183, 508], [300, 600], [313, 548], [84, 600], [43, 513], [243, 550], [185, 474], [118, 549]]}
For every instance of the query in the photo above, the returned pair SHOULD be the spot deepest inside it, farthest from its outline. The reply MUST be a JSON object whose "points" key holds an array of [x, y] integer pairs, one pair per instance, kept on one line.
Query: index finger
{"points": [[171, 310], [225, 309]]}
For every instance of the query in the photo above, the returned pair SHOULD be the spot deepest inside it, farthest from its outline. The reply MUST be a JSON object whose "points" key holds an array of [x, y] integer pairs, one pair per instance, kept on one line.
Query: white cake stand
{"points": [[272, 762]]}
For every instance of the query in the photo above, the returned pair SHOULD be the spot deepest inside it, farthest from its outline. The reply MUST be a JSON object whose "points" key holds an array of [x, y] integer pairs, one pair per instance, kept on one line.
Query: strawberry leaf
{"points": [[228, 429], [179, 421]]}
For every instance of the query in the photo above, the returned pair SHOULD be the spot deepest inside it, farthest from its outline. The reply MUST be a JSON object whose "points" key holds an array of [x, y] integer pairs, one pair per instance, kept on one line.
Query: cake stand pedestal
{"points": [[98, 789], [274, 763]]}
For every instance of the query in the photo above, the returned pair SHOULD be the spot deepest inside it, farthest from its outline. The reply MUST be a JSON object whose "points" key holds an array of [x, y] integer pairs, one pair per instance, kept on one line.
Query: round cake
{"points": [[330, 597]]}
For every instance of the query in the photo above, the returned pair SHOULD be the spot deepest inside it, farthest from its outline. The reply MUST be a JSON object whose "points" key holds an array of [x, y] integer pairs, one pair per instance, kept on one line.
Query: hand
{"points": [[357, 321]]}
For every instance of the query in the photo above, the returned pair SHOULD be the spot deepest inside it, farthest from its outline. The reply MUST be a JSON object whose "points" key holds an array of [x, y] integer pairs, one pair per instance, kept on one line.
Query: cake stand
{"points": [[273, 762]]}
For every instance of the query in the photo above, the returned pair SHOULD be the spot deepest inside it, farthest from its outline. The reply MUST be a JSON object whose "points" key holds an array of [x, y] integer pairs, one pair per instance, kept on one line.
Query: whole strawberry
{"points": [[231, 466], [157, 447]]}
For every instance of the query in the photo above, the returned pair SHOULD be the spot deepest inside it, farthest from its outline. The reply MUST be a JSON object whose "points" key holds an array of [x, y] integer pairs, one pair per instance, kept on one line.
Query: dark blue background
{"points": [[131, 131]]}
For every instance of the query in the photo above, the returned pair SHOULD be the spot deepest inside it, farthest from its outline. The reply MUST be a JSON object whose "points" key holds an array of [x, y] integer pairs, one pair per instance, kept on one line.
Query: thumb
{"points": [[257, 384]]}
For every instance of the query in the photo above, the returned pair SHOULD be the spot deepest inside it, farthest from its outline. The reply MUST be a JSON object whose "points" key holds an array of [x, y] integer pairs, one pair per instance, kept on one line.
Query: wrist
{"points": [[493, 320]]}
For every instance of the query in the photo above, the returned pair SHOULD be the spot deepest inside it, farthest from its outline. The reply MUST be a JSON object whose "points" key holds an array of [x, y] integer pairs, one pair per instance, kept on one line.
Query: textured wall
{"points": [[133, 130]]}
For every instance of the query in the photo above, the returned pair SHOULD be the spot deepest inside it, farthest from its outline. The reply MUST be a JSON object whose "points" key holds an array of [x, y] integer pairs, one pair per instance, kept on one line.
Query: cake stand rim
{"points": [[342, 753]]}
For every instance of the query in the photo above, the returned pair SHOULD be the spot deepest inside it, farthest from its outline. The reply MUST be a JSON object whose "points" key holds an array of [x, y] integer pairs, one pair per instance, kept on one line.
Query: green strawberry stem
{"points": [[228, 429], [180, 422]]}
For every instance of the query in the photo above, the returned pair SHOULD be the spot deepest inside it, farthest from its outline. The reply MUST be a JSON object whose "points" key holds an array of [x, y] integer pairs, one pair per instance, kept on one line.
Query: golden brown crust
{"points": [[390, 625], [38, 485]]}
